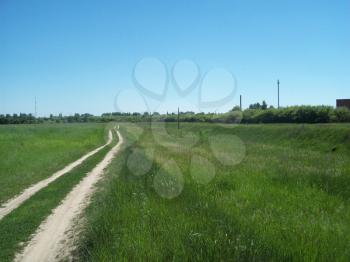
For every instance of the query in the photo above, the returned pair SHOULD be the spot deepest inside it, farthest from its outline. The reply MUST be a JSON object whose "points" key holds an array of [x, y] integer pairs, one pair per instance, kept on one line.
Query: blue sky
{"points": [[77, 56]]}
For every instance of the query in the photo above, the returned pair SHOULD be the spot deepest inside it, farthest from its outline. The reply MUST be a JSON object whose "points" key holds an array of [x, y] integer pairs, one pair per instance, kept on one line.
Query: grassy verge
{"points": [[20, 224], [287, 200], [30, 153]]}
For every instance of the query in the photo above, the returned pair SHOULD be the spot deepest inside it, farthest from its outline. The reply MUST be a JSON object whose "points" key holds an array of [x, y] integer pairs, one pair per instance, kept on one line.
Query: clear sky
{"points": [[76, 56]]}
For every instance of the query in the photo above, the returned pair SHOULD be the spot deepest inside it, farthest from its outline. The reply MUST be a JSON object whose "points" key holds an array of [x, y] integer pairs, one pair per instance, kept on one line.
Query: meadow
{"points": [[30, 153], [277, 192], [18, 227]]}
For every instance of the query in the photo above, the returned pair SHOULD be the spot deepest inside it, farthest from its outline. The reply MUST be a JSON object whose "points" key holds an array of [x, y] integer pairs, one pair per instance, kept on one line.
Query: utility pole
{"points": [[278, 93], [150, 118], [240, 102], [35, 108], [178, 118]]}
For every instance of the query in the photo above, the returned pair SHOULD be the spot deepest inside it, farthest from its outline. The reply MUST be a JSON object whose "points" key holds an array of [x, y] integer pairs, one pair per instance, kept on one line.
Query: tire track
{"points": [[50, 241], [13, 203]]}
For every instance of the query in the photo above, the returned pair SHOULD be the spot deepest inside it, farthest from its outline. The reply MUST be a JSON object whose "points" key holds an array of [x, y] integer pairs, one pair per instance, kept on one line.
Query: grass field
{"points": [[30, 153], [238, 193], [18, 227]]}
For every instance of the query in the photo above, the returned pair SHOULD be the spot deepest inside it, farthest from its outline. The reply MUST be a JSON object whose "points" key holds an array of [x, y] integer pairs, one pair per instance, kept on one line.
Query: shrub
{"points": [[341, 114]]}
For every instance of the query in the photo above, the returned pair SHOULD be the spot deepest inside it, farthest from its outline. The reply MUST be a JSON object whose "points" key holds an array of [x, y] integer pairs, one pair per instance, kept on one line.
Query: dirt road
{"points": [[50, 241], [18, 200]]}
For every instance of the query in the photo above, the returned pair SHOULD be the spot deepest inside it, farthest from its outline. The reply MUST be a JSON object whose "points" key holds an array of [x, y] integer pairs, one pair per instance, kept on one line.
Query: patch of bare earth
{"points": [[55, 237], [13, 203]]}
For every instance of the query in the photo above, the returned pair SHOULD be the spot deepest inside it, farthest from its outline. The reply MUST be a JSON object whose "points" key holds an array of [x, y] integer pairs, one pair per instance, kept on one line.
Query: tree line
{"points": [[256, 113]]}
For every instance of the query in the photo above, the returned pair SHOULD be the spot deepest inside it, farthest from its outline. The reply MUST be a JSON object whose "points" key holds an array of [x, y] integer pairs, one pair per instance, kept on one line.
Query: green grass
{"points": [[20, 224], [30, 153], [288, 200]]}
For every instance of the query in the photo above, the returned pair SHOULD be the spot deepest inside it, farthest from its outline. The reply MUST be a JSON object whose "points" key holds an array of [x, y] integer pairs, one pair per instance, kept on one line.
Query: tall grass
{"points": [[30, 153], [287, 200], [18, 227]]}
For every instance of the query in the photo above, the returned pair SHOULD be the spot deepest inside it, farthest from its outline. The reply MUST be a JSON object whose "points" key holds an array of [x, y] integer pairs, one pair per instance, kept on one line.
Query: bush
{"points": [[341, 114], [255, 114], [297, 114]]}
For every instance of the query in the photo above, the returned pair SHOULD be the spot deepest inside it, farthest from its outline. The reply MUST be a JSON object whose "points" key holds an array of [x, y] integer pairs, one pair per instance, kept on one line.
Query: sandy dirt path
{"points": [[13, 203], [50, 241]]}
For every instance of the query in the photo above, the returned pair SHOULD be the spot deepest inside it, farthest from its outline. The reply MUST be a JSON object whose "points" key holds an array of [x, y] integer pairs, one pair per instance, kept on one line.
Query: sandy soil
{"points": [[52, 239], [13, 203]]}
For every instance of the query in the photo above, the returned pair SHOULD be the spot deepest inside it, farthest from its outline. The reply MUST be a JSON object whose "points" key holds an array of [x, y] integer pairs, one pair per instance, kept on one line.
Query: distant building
{"points": [[343, 103]]}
